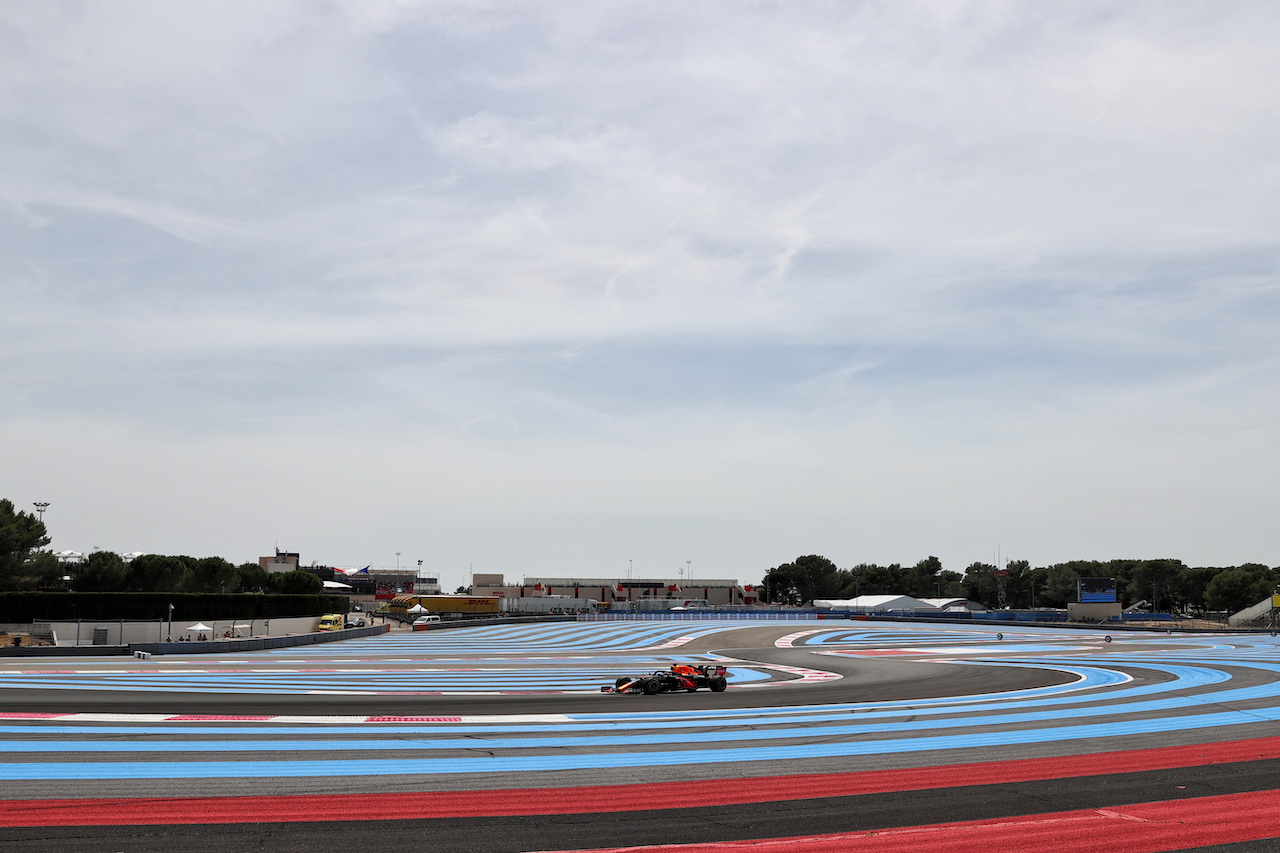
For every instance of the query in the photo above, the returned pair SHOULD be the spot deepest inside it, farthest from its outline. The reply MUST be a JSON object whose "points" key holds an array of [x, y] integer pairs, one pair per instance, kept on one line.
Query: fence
{"points": [[146, 649], [702, 616], [122, 632]]}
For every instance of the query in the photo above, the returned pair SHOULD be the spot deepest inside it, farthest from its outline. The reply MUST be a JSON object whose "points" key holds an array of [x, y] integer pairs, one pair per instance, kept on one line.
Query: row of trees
{"points": [[24, 565], [815, 577], [104, 571], [1167, 585]]}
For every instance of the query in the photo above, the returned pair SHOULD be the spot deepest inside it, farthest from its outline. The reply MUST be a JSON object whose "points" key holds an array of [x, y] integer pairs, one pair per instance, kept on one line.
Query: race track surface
{"points": [[833, 735]]}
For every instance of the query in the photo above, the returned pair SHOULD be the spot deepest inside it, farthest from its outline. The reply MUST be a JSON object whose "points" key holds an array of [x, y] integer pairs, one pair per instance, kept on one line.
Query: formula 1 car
{"points": [[679, 677]]}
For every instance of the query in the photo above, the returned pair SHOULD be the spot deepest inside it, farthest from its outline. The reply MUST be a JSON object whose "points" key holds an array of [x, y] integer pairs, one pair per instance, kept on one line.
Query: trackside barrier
{"points": [[994, 618], [709, 616], [931, 615], [255, 644]]}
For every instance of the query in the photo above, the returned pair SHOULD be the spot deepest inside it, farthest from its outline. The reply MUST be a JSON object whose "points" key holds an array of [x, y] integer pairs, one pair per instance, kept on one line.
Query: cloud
{"points": [[854, 243]]}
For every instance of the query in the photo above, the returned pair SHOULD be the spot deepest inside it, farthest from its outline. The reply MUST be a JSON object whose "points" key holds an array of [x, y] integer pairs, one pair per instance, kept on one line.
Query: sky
{"points": [[590, 289]]}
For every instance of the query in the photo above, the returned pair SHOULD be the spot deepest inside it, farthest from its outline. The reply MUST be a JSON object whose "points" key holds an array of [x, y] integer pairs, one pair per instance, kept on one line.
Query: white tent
{"points": [[198, 627], [416, 609], [875, 603], [954, 604]]}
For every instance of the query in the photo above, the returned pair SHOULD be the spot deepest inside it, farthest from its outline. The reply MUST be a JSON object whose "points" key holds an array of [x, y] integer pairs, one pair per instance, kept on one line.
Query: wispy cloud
{"points": [[740, 262]]}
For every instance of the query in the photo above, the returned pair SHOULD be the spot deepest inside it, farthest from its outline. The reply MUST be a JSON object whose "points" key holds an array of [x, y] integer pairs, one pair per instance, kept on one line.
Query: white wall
{"points": [[122, 633]]}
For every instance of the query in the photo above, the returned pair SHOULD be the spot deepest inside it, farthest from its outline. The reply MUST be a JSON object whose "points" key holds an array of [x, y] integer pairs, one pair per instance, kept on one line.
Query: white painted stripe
{"points": [[373, 719], [787, 641]]}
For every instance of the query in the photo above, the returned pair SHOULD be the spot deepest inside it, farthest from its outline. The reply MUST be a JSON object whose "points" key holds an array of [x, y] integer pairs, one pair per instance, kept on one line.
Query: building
{"points": [[389, 582], [283, 561], [383, 583], [618, 592]]}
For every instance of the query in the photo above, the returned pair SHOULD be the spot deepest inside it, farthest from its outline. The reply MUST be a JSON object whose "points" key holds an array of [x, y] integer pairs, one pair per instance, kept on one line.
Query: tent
{"points": [[954, 604], [865, 603], [416, 609], [198, 627]]}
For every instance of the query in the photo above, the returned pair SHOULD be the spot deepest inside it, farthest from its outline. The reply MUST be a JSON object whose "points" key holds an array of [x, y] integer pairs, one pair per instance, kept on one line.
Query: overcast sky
{"points": [[563, 289]]}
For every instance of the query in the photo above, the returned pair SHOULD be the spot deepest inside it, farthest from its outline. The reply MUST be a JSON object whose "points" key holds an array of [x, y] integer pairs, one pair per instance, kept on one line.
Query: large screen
{"points": [[1096, 590]]}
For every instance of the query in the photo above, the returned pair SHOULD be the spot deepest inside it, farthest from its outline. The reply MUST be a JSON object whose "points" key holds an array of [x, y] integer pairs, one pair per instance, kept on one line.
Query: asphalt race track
{"points": [[833, 735]]}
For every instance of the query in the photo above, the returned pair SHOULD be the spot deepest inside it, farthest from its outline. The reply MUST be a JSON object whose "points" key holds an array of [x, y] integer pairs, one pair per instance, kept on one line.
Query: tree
{"points": [[1189, 589], [211, 574], [21, 534], [1153, 580], [952, 583], [1017, 583], [253, 578], [101, 571], [1235, 589], [870, 579], [47, 570], [297, 582], [157, 573], [1056, 584], [980, 584], [851, 580], [923, 581], [803, 580]]}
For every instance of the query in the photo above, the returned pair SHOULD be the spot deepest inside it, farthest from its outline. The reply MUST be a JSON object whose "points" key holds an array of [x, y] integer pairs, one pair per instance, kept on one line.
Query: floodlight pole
{"points": [[169, 638], [41, 506]]}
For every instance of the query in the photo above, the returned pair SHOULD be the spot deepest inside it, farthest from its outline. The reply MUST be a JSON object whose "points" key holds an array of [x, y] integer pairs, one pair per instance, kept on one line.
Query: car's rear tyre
{"points": [[651, 686], [718, 684]]}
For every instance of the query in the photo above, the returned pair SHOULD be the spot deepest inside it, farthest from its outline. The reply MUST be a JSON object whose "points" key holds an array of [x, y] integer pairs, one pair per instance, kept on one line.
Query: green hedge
{"points": [[24, 607]]}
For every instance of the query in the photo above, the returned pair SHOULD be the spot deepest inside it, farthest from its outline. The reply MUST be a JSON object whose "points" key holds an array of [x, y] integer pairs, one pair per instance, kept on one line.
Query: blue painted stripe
{"points": [[523, 763]]}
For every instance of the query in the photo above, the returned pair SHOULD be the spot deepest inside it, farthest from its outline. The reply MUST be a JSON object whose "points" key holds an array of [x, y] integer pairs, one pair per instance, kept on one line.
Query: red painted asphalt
{"points": [[1144, 828], [617, 798]]}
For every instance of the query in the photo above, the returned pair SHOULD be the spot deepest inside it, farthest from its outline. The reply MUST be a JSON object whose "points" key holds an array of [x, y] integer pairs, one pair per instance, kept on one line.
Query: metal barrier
{"points": [[700, 616], [255, 644]]}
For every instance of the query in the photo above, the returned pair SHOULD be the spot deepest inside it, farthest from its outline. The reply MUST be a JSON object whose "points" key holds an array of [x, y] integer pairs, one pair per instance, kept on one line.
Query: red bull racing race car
{"points": [[680, 677]]}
